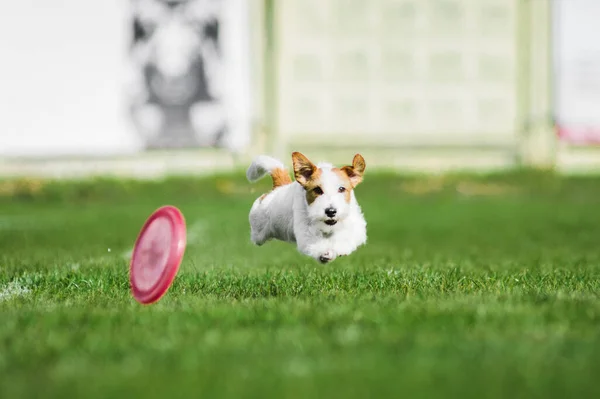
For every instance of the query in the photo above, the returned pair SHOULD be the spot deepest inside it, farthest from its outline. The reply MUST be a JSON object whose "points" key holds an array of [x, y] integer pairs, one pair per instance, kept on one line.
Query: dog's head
{"points": [[328, 189]]}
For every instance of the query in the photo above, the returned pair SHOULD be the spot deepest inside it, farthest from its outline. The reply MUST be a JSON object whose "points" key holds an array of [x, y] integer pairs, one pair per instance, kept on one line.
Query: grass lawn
{"points": [[468, 287]]}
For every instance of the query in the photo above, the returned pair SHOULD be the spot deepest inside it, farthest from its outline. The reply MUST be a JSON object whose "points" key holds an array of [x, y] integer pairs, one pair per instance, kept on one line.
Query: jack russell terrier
{"points": [[318, 212]]}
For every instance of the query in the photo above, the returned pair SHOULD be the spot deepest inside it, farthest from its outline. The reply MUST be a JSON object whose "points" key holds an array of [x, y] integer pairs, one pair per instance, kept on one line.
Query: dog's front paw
{"points": [[327, 257]]}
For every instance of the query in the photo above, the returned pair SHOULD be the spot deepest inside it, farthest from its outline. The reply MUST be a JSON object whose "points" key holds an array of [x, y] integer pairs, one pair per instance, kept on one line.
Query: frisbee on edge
{"points": [[157, 254]]}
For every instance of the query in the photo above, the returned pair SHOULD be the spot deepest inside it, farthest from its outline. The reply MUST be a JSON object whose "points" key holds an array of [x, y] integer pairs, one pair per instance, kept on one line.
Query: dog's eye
{"points": [[317, 190], [341, 189]]}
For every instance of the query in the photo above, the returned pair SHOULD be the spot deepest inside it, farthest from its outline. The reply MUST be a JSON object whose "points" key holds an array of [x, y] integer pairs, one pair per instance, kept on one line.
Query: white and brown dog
{"points": [[318, 211]]}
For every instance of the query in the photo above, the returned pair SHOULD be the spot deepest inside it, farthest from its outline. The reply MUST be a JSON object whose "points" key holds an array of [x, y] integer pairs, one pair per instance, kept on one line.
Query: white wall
{"points": [[237, 54], [394, 73], [63, 70], [61, 78], [577, 69]]}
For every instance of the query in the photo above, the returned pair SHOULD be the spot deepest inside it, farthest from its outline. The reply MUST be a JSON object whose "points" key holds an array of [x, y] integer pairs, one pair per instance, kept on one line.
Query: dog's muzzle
{"points": [[330, 213]]}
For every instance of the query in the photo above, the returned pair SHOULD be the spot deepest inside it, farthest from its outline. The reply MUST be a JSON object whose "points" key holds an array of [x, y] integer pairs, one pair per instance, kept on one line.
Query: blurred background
{"points": [[154, 87]]}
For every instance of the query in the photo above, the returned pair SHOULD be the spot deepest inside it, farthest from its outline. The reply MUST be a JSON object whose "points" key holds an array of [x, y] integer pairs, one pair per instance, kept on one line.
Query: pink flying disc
{"points": [[157, 254]]}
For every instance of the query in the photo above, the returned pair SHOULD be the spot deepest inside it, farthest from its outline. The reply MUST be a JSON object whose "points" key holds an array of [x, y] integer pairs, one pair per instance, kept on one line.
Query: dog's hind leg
{"points": [[258, 238], [259, 224], [259, 234]]}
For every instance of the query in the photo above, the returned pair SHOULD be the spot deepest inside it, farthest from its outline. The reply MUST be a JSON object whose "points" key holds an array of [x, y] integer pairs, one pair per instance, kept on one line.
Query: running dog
{"points": [[318, 211]]}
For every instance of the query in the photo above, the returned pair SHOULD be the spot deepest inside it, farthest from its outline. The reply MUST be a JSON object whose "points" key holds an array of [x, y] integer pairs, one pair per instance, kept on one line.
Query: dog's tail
{"points": [[264, 164]]}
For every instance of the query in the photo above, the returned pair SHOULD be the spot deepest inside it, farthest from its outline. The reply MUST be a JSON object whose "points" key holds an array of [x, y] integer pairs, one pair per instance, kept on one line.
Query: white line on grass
{"points": [[127, 254], [197, 232], [18, 223], [12, 290]]}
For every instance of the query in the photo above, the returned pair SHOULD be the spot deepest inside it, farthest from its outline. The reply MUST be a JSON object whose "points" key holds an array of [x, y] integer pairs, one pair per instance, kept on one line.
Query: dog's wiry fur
{"points": [[318, 212]]}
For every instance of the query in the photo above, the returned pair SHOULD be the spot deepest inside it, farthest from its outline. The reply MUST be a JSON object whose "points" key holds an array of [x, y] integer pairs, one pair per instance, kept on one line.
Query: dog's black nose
{"points": [[330, 212]]}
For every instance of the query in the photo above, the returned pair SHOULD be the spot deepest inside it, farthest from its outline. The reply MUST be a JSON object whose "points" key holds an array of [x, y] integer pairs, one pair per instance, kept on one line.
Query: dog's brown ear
{"points": [[356, 171], [303, 168]]}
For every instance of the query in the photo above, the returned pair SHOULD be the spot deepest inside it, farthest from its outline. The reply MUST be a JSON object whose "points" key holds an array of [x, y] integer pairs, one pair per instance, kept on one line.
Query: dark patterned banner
{"points": [[177, 56]]}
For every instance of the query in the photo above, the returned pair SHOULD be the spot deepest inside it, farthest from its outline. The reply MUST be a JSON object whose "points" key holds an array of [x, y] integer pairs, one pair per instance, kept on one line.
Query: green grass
{"points": [[463, 290]]}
